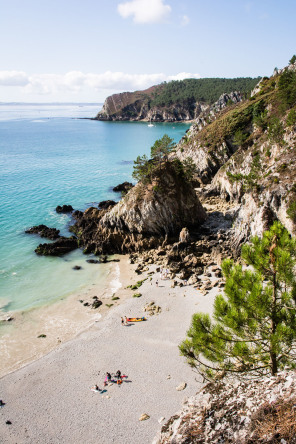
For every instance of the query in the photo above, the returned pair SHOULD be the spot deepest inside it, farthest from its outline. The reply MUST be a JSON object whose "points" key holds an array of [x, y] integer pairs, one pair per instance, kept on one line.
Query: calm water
{"points": [[49, 158]]}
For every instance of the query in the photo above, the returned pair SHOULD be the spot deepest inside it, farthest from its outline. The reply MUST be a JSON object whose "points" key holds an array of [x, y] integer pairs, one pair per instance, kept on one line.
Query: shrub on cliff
{"points": [[253, 330], [146, 169]]}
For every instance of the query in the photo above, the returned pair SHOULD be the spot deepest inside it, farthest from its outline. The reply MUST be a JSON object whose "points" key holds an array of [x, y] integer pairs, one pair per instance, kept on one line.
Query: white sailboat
{"points": [[150, 124]]}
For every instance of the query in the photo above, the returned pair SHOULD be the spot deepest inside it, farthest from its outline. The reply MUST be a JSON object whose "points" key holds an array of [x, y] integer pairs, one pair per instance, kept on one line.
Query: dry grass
{"points": [[273, 422]]}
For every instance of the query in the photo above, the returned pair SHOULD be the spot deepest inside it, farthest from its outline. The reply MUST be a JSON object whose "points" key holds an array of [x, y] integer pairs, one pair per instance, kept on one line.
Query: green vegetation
{"points": [[145, 169], [109, 305], [137, 285], [209, 90], [291, 211], [291, 118], [137, 295], [253, 330], [275, 130], [115, 298], [287, 89], [41, 336], [292, 60]]}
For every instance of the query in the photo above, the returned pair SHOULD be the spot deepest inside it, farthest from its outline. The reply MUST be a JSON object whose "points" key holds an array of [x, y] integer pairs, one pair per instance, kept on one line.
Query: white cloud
{"points": [[184, 75], [13, 78], [75, 82], [145, 11], [185, 20]]}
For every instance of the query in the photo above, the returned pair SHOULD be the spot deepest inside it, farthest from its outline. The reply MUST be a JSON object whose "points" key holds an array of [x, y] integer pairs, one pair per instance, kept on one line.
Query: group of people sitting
{"points": [[117, 377]]}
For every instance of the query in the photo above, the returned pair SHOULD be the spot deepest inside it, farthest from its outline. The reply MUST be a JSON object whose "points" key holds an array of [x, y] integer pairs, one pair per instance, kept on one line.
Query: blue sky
{"points": [[74, 50]]}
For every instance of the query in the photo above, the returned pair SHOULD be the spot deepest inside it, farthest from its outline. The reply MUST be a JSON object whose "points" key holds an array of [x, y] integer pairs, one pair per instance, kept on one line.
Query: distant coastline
{"points": [[51, 103]]}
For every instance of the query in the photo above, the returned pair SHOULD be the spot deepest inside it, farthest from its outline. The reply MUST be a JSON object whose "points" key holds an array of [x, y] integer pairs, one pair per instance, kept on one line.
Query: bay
{"points": [[49, 156]]}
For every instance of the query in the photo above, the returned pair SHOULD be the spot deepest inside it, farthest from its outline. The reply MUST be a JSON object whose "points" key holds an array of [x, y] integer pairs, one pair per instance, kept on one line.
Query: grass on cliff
{"points": [[275, 100]]}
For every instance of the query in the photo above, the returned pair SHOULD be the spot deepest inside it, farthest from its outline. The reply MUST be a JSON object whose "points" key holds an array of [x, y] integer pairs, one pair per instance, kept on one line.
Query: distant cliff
{"points": [[174, 101]]}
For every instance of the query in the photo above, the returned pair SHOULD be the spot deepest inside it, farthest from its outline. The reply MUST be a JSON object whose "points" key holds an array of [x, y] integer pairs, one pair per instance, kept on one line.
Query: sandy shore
{"points": [[50, 401], [61, 320]]}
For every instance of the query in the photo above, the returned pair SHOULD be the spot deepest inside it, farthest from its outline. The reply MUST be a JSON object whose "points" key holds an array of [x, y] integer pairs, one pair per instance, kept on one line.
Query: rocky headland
{"points": [[175, 101]]}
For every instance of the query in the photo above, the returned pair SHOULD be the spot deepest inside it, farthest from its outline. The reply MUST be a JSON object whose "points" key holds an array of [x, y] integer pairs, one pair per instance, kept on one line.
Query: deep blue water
{"points": [[49, 158]]}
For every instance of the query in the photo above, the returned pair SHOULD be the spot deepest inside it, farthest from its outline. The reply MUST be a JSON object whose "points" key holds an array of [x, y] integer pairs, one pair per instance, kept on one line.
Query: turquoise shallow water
{"points": [[49, 158]]}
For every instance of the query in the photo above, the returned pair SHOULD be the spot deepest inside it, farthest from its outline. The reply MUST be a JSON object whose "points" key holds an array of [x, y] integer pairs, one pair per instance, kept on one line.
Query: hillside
{"points": [[173, 101], [246, 155]]}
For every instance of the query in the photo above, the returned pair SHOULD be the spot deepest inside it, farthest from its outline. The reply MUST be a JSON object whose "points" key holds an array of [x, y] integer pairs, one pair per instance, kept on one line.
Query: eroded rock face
{"points": [[136, 106], [162, 207], [143, 218]]}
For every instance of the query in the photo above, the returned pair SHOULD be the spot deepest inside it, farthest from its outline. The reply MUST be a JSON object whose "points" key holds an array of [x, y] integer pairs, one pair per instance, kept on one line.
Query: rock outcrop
{"points": [[64, 209], [58, 248], [144, 217], [44, 231]]}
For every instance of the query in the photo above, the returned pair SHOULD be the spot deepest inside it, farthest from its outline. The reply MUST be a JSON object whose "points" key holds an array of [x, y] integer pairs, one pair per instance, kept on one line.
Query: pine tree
{"points": [[253, 328], [161, 148]]}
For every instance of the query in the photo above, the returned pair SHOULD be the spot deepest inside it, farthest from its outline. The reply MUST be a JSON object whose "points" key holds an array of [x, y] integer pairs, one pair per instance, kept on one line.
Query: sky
{"points": [[86, 50]]}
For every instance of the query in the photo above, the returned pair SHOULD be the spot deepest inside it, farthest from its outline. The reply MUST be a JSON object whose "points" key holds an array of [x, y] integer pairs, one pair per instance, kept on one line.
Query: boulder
{"points": [[96, 303], [184, 235], [123, 187]]}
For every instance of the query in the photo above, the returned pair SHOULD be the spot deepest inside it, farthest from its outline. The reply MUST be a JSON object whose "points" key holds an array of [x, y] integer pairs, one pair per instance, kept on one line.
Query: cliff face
{"points": [[144, 217], [123, 107], [160, 208], [246, 155]]}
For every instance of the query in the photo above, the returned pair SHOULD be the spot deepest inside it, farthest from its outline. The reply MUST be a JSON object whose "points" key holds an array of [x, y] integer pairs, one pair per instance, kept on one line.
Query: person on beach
{"points": [[156, 283], [108, 377], [118, 374], [122, 321], [96, 388], [125, 320]]}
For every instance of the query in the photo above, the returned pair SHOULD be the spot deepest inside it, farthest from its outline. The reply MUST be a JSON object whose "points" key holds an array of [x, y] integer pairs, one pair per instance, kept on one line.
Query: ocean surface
{"points": [[49, 156]]}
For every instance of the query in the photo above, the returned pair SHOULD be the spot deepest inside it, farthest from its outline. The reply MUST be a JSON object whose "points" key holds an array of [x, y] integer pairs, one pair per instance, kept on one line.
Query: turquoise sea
{"points": [[49, 157]]}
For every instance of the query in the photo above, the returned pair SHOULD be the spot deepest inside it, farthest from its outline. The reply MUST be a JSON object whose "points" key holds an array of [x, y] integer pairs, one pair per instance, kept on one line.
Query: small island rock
{"points": [[64, 209]]}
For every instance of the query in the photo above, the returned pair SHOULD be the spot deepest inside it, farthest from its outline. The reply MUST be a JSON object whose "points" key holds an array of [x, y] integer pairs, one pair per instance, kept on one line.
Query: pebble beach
{"points": [[50, 400]]}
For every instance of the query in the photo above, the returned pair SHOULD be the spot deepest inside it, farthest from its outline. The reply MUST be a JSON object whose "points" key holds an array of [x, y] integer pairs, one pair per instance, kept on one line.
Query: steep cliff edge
{"points": [[175, 101], [246, 154]]}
